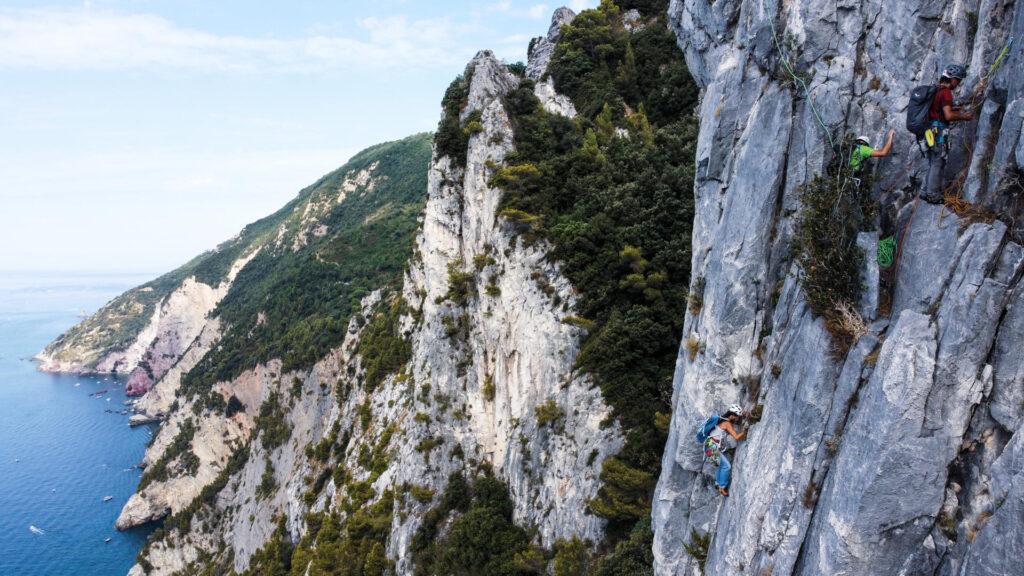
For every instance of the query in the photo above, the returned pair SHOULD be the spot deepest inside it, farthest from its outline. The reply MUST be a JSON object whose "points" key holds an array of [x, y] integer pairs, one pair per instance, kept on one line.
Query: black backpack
{"points": [[920, 104]]}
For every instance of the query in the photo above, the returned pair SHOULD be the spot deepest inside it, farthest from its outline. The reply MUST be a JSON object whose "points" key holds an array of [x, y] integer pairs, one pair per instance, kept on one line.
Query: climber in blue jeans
{"points": [[714, 445]]}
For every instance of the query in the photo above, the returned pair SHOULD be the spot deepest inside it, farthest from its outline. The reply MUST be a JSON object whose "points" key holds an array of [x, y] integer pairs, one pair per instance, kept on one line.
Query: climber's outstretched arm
{"points": [[885, 149]]}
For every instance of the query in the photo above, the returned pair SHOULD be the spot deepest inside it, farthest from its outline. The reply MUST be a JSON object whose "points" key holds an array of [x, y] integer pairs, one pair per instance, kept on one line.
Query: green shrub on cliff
{"points": [[272, 422], [481, 540], [353, 547], [825, 244], [613, 192], [452, 139], [383, 348], [181, 446], [275, 557]]}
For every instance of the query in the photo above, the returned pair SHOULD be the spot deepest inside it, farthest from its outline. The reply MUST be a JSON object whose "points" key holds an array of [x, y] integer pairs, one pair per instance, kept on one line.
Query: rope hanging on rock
{"points": [[789, 68], [955, 188], [999, 60]]}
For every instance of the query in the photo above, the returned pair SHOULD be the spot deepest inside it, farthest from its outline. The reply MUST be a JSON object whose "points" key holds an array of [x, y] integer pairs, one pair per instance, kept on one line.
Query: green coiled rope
{"points": [[886, 251]]}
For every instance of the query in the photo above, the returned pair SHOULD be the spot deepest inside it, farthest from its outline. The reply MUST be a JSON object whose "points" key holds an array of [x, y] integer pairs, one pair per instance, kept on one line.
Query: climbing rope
{"points": [[999, 60], [789, 68], [886, 251], [956, 187]]}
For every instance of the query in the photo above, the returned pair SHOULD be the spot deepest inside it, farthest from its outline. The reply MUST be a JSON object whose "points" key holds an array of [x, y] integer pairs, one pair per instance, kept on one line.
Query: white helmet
{"points": [[734, 409], [864, 140]]}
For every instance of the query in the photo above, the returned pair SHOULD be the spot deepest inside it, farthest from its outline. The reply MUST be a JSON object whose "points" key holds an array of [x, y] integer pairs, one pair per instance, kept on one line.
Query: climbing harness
{"points": [[886, 251], [789, 68], [713, 451]]}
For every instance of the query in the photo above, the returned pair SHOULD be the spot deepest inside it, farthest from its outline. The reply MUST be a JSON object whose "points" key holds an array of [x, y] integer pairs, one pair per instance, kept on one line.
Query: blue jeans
{"points": [[724, 470]]}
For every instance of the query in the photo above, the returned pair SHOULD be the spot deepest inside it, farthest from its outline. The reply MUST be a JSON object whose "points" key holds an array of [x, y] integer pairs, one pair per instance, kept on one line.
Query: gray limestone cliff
{"points": [[901, 456]]}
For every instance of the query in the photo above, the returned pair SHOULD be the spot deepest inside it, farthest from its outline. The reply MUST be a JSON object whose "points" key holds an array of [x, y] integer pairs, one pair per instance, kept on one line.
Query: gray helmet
{"points": [[954, 71], [734, 409], [864, 140]]}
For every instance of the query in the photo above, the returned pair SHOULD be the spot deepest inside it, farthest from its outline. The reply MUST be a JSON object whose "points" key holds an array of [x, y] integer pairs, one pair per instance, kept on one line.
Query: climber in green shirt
{"points": [[863, 150]]}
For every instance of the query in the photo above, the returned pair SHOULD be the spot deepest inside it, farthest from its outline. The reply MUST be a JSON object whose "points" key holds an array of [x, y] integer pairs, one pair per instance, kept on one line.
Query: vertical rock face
{"points": [[902, 455], [511, 340]]}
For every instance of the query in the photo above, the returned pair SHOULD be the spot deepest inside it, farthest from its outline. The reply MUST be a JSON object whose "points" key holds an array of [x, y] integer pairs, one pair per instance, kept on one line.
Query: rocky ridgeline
{"points": [[903, 456]]}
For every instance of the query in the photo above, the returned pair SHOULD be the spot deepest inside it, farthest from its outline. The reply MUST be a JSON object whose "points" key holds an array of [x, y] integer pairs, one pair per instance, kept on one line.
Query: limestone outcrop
{"points": [[896, 456]]}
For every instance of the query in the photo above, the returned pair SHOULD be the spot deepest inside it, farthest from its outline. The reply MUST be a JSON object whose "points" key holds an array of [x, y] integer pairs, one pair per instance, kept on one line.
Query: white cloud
{"points": [[507, 7], [71, 39], [538, 11], [515, 40], [580, 5]]}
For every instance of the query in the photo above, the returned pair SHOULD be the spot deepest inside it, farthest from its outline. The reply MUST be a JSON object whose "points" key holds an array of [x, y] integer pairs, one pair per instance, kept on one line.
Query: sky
{"points": [[135, 134]]}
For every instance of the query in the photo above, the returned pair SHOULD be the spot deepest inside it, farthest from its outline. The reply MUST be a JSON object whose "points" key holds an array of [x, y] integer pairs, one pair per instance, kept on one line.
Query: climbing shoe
{"points": [[722, 491]]}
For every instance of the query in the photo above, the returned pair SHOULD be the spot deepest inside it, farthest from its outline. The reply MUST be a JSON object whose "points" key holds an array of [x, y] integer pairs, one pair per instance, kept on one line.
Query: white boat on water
{"points": [[35, 530], [106, 540], [108, 498]]}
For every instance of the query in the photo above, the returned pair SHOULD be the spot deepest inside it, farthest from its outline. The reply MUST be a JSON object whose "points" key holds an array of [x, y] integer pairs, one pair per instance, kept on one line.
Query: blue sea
{"points": [[61, 449]]}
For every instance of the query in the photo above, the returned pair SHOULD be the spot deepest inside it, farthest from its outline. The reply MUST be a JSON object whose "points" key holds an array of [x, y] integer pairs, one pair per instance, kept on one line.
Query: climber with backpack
{"points": [[930, 112], [863, 150], [712, 434]]}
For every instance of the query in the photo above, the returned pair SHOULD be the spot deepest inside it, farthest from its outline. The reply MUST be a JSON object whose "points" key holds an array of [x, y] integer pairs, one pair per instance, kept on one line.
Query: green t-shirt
{"points": [[860, 154]]}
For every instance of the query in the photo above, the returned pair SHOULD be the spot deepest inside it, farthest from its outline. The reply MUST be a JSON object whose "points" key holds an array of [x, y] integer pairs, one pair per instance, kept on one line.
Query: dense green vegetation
{"points": [[619, 210], [295, 305], [383, 348], [268, 483], [452, 135], [630, 557], [355, 546], [272, 422], [645, 7], [825, 244], [481, 541]]}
